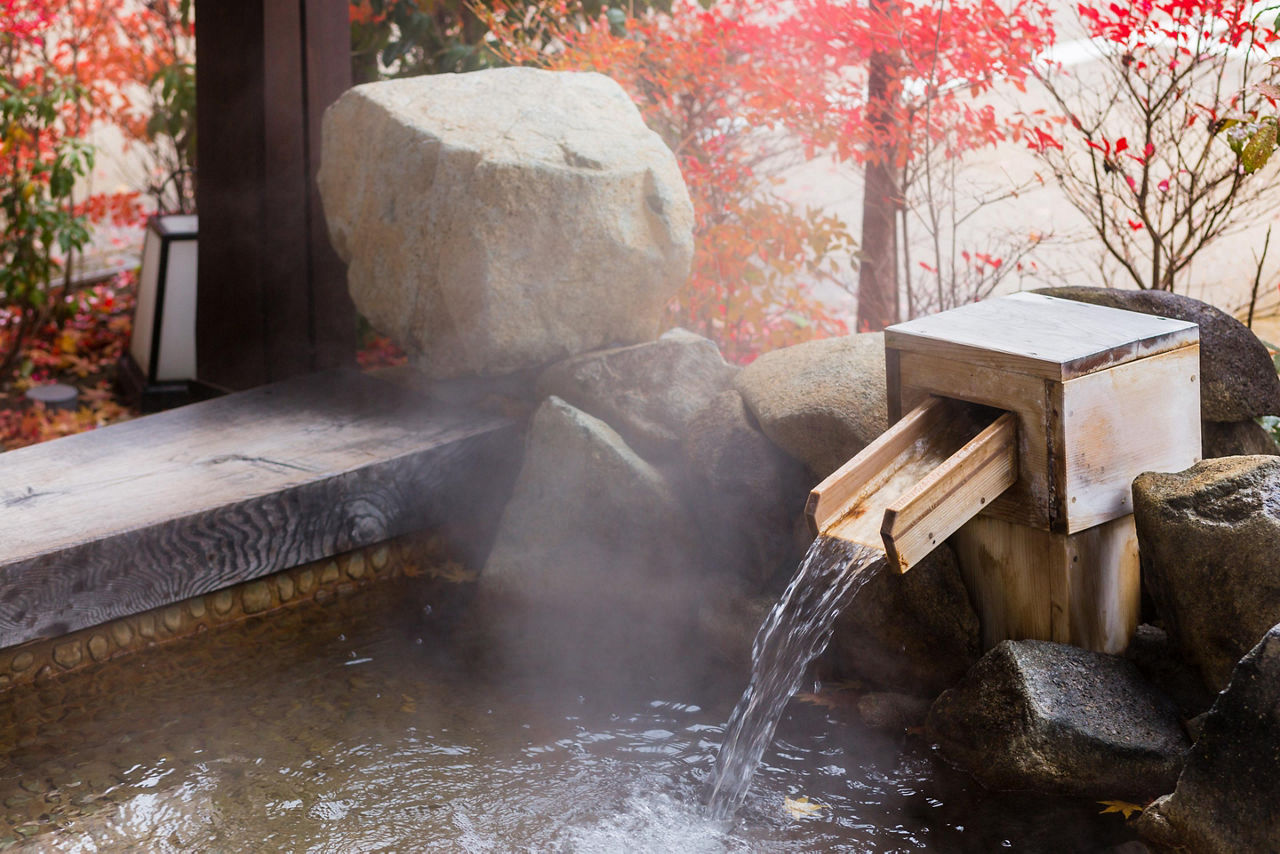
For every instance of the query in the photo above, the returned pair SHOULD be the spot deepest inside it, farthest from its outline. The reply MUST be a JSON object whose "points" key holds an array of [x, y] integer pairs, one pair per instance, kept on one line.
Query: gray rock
{"points": [[591, 528], [1236, 438], [1225, 799], [1210, 544], [914, 632], [1238, 379], [648, 392], [747, 497], [503, 219], [1160, 663], [821, 401], [1060, 719], [889, 710]]}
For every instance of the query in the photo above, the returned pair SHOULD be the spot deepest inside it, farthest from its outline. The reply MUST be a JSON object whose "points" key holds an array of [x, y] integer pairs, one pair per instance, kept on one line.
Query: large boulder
{"points": [[746, 496], [591, 530], [1225, 799], [1056, 718], [1210, 544], [649, 393], [503, 219], [821, 401], [1237, 377], [914, 632]]}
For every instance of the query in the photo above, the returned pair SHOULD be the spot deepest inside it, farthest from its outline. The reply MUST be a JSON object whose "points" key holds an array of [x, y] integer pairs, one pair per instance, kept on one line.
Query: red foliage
{"points": [[109, 52], [947, 56], [81, 351], [693, 76]]}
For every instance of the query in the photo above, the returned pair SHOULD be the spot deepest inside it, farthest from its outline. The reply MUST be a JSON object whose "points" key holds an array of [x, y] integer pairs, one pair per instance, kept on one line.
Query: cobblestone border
{"points": [[412, 555]]}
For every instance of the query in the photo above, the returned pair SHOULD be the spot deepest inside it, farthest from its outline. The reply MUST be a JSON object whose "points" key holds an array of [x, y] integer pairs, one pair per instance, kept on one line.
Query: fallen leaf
{"points": [[801, 807], [1125, 808]]}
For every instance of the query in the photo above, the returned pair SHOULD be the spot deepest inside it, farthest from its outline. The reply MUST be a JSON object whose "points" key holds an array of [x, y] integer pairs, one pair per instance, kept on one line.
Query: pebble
{"points": [[121, 631], [99, 647], [256, 597], [330, 573], [173, 618], [69, 654], [222, 601]]}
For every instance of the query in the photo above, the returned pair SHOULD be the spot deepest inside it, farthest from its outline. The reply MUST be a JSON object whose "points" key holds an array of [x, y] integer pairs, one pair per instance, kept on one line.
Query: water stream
{"points": [[794, 634]]}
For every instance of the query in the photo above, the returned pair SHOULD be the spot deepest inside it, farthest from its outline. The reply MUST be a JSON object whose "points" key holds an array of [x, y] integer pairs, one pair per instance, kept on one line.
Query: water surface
{"points": [[353, 727]]}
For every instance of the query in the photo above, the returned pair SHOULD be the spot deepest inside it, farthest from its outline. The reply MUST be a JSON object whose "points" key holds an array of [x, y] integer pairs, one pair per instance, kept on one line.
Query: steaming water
{"points": [[348, 727], [793, 635]]}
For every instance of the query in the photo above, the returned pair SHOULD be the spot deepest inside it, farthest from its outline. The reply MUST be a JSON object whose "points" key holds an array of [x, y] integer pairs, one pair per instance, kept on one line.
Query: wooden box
{"points": [[1100, 394]]}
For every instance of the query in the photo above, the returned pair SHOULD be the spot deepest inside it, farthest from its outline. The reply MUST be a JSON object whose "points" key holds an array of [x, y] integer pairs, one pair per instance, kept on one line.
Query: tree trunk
{"points": [[878, 273]]}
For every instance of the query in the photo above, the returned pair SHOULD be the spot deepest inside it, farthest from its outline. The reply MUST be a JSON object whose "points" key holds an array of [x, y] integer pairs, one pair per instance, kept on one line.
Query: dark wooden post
{"points": [[272, 300]]}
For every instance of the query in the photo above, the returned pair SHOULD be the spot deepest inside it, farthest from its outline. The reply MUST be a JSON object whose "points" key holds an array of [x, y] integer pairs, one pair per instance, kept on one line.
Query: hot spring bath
{"points": [[375, 721]]}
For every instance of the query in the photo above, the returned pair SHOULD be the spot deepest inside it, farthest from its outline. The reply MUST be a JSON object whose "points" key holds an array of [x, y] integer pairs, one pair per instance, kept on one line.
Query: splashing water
{"points": [[795, 632]]}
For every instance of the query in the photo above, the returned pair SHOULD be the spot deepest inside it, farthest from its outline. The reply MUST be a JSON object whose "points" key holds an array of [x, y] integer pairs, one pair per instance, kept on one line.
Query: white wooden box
{"points": [[1101, 395]]}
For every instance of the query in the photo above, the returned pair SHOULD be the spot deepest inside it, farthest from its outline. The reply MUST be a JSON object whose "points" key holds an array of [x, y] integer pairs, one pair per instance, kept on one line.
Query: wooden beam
{"points": [[918, 481], [152, 511], [272, 300], [954, 492]]}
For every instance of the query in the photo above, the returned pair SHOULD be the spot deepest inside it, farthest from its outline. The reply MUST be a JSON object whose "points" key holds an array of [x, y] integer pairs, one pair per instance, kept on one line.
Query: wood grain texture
{"points": [[919, 520], [152, 511], [272, 301], [1027, 583], [918, 466], [834, 498], [1030, 500], [1045, 337], [1118, 423]]}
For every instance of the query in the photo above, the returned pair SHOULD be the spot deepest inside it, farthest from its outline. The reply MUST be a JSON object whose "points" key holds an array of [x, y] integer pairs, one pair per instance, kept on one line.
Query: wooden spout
{"points": [[920, 481]]}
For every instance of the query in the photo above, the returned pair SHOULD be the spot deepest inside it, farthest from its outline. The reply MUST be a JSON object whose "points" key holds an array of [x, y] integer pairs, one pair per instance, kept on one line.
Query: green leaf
{"points": [[617, 22], [1257, 151]]}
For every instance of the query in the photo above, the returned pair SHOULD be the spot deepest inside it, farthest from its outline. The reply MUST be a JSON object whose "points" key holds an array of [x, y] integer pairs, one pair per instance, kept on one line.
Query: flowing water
{"points": [[364, 725], [793, 635]]}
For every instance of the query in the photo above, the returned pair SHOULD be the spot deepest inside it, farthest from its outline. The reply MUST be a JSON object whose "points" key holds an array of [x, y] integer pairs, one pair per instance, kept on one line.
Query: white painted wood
{"points": [[1046, 337], [1116, 424]]}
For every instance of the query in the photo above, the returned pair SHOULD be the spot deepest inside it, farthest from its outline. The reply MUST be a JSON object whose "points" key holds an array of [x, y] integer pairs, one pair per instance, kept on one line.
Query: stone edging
{"points": [[411, 555]]}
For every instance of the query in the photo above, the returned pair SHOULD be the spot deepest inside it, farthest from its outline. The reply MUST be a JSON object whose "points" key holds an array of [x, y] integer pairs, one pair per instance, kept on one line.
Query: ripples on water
{"points": [[343, 728]]}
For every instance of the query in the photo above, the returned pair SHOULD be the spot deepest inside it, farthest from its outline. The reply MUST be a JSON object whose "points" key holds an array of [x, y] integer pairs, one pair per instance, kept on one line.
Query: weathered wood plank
{"points": [[921, 518], [1045, 337], [149, 512], [1118, 423], [1031, 500], [917, 469]]}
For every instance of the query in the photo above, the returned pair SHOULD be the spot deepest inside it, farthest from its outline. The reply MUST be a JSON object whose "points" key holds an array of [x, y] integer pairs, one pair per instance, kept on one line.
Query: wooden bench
{"points": [[149, 512]]}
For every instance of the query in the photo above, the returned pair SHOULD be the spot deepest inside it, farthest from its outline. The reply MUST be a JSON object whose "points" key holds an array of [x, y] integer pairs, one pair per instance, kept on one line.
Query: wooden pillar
{"points": [[272, 299]]}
